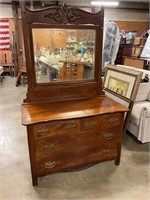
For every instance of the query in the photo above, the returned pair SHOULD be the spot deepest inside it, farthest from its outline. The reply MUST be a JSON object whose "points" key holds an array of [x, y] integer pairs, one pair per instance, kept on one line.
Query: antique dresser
{"points": [[71, 124]]}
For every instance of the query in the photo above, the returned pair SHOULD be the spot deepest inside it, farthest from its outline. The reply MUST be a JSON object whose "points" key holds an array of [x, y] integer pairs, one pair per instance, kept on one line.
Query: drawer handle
{"points": [[114, 119], [48, 146], [71, 126], [106, 151], [108, 136], [82, 150], [82, 134], [50, 165], [89, 124], [43, 132]]}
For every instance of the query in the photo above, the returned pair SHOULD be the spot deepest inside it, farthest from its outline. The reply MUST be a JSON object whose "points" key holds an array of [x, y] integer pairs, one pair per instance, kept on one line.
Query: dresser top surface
{"points": [[44, 112]]}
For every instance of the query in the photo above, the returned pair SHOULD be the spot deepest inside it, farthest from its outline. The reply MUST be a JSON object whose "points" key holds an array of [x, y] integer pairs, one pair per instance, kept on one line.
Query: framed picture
{"points": [[122, 100], [122, 81]]}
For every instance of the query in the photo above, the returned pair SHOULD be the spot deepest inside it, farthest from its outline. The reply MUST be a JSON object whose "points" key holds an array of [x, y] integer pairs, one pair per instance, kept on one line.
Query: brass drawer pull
{"points": [[114, 119], [71, 126], [48, 146], [50, 165], [89, 124], [82, 150], [106, 151], [82, 134], [43, 132], [108, 136]]}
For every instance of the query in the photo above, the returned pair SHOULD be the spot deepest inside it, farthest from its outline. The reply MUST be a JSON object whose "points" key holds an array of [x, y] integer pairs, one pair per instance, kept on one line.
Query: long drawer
{"points": [[72, 161], [76, 142]]}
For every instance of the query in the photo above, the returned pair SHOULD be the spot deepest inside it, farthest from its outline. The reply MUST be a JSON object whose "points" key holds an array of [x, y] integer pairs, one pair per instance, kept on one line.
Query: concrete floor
{"points": [[105, 181]]}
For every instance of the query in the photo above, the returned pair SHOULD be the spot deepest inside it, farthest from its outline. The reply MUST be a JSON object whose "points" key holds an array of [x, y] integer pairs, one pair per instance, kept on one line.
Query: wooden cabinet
{"points": [[124, 50], [136, 62], [71, 125]]}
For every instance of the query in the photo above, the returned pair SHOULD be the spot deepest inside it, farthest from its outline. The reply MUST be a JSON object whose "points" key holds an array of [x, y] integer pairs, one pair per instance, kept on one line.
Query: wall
{"points": [[127, 15], [112, 14], [127, 20], [6, 11], [140, 27]]}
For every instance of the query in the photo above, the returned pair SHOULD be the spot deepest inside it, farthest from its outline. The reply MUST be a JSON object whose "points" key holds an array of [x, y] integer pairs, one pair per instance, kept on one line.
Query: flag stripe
{"points": [[4, 20], [4, 38], [4, 41], [4, 26], [4, 32], [4, 35]]}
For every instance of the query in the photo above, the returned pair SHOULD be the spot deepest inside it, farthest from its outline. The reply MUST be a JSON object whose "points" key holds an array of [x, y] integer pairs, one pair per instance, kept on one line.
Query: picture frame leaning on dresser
{"points": [[122, 84]]}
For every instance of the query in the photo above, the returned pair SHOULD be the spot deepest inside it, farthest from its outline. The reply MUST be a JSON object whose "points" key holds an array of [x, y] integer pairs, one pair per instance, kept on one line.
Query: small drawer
{"points": [[101, 122], [55, 145], [45, 130]]}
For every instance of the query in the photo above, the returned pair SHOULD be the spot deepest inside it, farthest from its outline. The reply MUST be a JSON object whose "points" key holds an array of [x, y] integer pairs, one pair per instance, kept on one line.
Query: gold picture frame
{"points": [[122, 81]]}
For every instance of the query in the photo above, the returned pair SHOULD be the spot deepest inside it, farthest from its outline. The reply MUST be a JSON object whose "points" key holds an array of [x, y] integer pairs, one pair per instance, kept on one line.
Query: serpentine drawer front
{"points": [[99, 138], [63, 144], [76, 141]]}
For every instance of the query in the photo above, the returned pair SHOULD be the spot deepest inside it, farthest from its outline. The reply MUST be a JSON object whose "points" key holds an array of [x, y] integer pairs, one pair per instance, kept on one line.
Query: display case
{"points": [[71, 125]]}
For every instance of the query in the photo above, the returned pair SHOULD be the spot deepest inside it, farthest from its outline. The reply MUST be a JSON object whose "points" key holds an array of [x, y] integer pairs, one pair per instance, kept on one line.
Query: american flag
{"points": [[4, 34]]}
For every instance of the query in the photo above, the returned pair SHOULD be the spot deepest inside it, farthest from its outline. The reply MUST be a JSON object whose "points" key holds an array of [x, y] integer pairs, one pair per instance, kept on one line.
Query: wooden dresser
{"points": [[71, 125], [73, 135]]}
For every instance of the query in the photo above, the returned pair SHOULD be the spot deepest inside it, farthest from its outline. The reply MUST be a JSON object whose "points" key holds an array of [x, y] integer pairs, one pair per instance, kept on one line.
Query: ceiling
{"points": [[129, 4]]}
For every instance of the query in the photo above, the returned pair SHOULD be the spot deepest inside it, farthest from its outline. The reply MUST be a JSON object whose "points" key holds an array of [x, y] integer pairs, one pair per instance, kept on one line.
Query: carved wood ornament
{"points": [[64, 15]]}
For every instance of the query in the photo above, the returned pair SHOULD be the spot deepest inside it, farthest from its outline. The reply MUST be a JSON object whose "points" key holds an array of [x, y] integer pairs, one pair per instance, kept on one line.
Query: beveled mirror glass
{"points": [[63, 54]]}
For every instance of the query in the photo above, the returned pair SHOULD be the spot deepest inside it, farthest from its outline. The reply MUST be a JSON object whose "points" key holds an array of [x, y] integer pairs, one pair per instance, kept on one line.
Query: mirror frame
{"points": [[65, 18]]}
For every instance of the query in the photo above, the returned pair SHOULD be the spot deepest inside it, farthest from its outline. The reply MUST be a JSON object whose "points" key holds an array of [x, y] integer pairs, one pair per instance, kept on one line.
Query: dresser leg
{"points": [[117, 161], [34, 181]]}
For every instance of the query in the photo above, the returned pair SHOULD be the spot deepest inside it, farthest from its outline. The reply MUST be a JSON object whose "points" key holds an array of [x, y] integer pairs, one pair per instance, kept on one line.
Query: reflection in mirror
{"points": [[63, 55]]}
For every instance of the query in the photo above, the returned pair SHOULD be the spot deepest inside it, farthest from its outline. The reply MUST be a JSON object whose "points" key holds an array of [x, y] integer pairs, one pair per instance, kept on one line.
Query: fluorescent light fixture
{"points": [[104, 3]]}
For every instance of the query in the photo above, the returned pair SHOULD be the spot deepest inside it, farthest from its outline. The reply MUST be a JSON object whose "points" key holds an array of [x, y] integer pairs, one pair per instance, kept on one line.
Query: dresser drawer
{"points": [[76, 142], [101, 136], [55, 145], [101, 122], [44, 130], [53, 164]]}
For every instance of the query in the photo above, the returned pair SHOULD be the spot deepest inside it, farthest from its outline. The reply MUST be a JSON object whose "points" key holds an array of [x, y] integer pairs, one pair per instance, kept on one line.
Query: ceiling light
{"points": [[104, 3]]}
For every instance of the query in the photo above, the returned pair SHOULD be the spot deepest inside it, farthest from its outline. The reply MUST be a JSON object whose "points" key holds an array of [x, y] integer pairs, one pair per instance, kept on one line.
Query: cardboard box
{"points": [[134, 62], [136, 51], [139, 41]]}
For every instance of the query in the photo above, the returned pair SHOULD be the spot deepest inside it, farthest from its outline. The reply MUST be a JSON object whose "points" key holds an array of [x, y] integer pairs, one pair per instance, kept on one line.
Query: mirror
{"points": [[63, 54]]}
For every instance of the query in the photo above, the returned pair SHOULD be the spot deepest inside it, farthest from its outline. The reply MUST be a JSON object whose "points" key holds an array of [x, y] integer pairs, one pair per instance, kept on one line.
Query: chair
{"points": [[1, 71], [139, 122], [22, 73]]}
